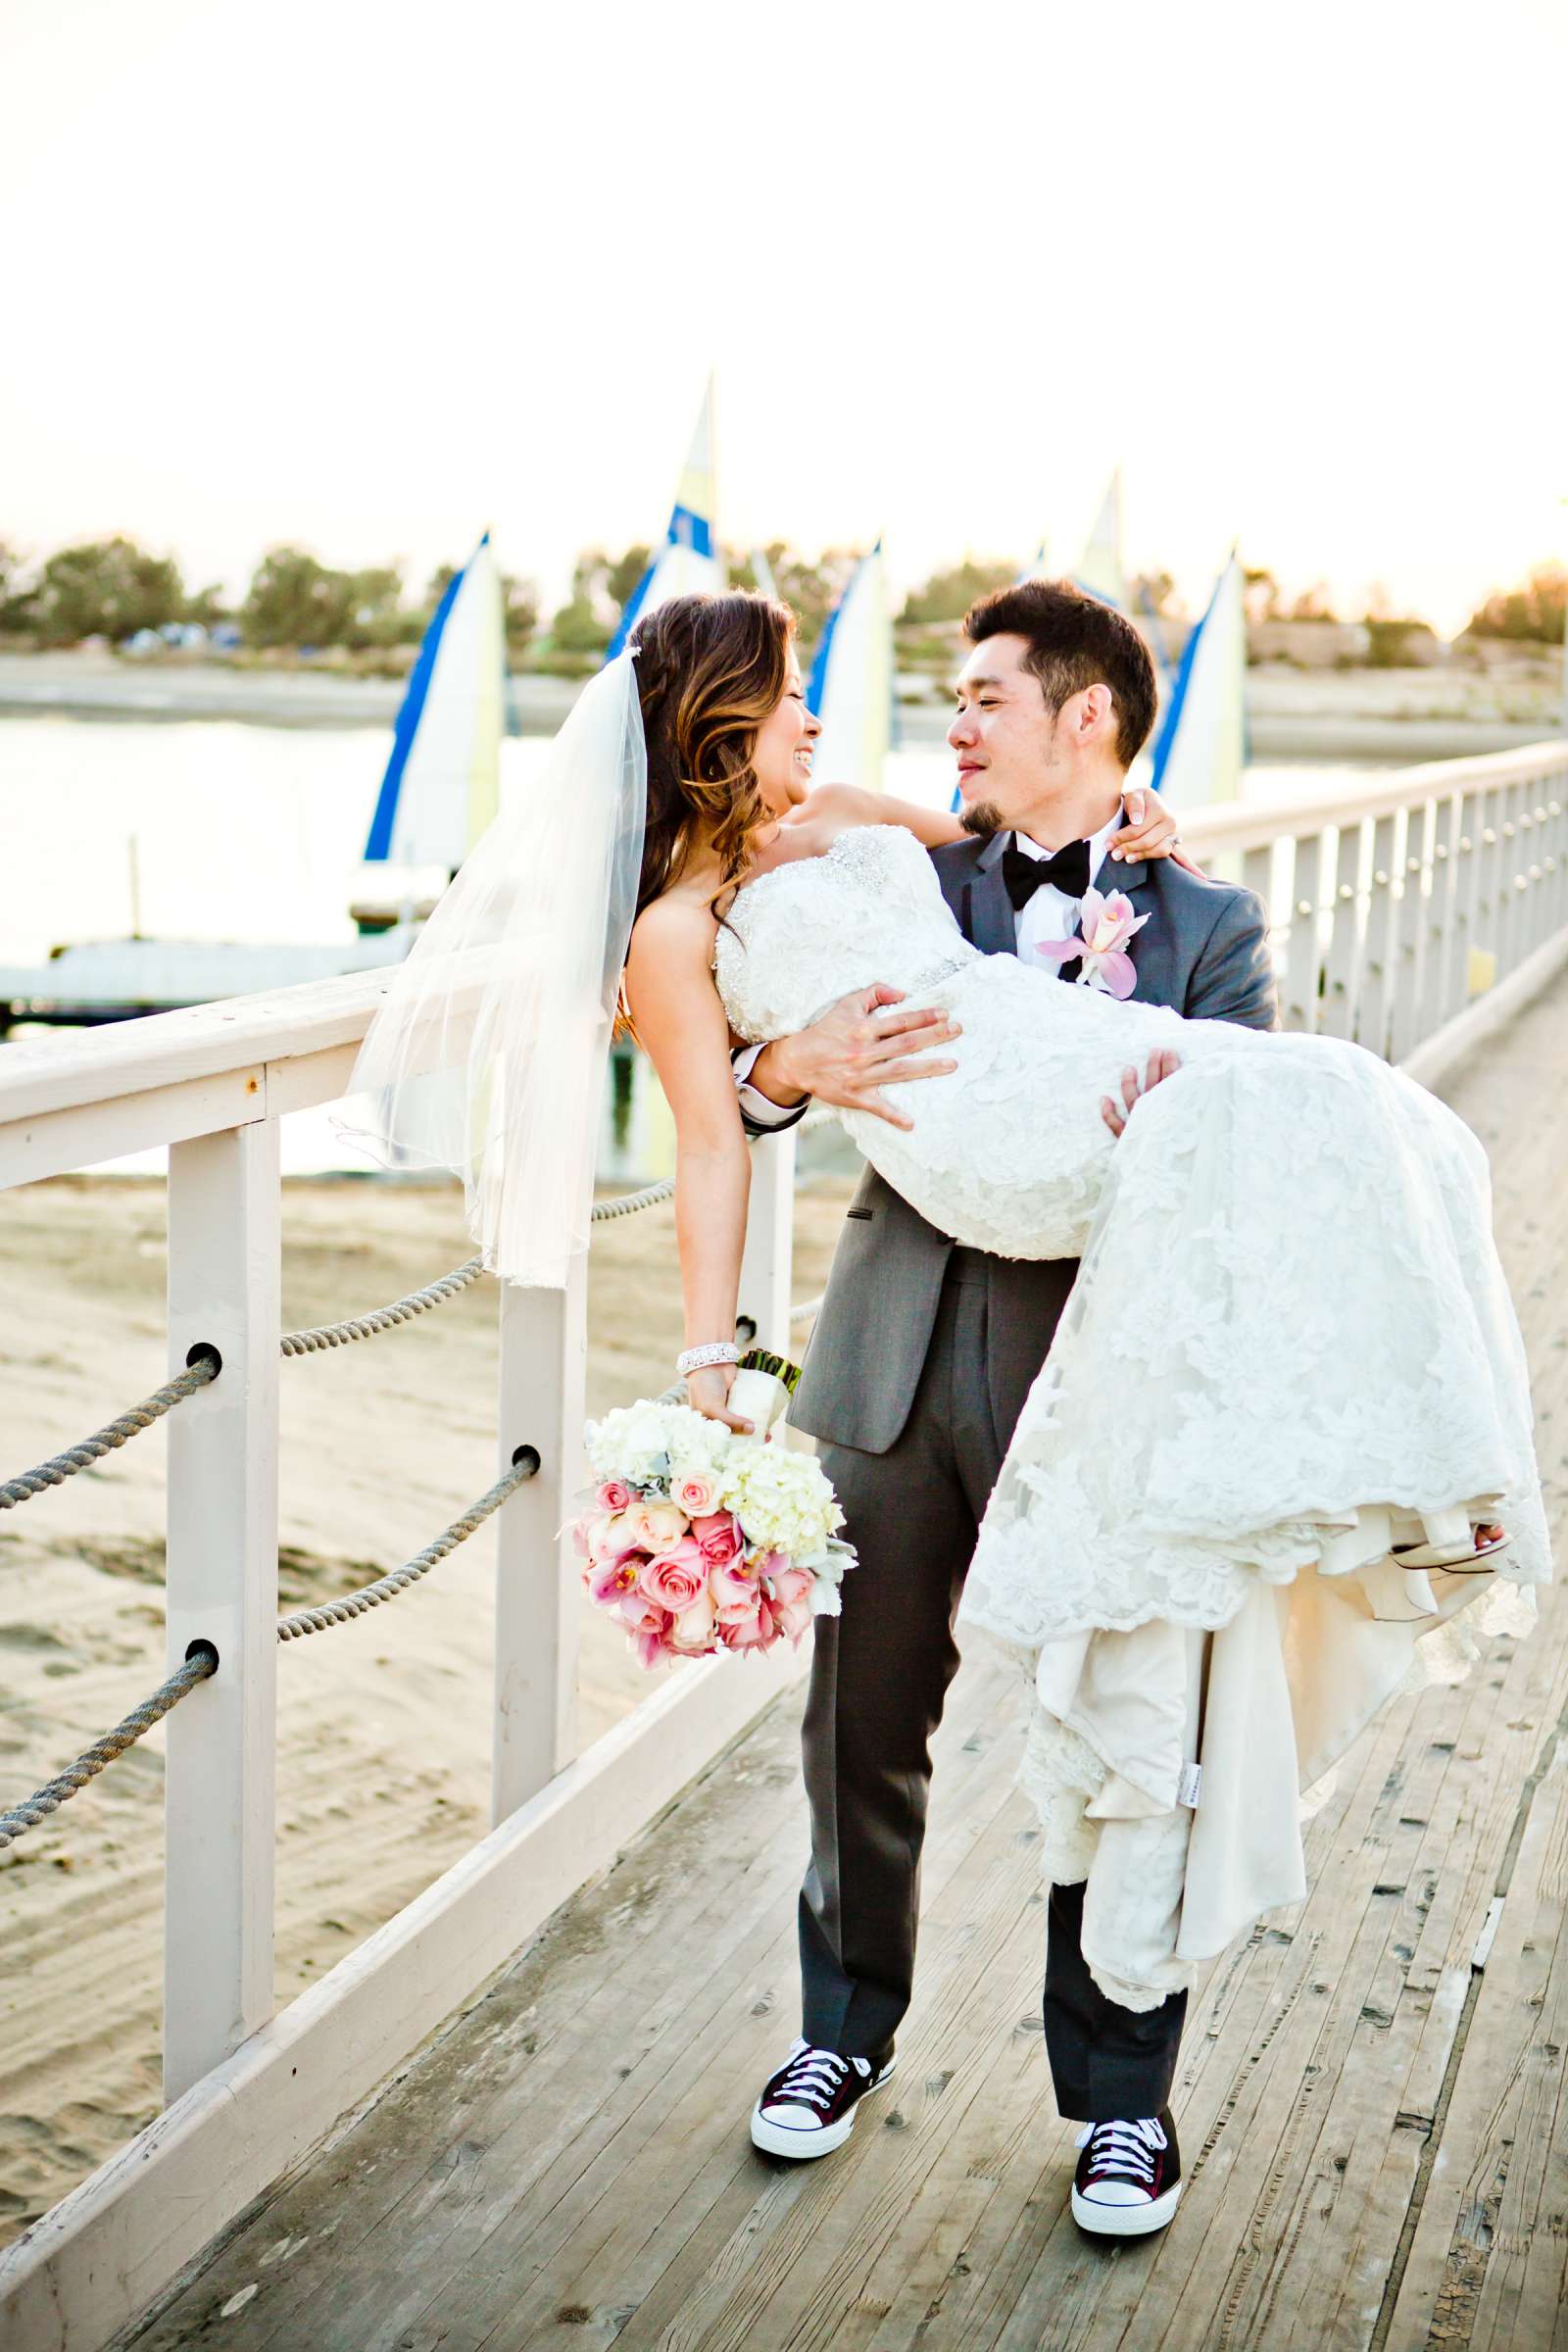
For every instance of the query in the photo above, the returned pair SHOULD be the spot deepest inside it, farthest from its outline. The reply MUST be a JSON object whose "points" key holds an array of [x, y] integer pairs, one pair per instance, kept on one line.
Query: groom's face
{"points": [[1005, 738]]}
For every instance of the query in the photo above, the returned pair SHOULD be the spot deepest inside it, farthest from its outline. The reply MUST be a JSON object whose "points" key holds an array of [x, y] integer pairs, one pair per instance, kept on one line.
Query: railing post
{"points": [[544, 1363], [221, 1587], [1515, 831], [1303, 959], [1343, 971], [1465, 839], [767, 1264], [1377, 961], [1412, 926]]}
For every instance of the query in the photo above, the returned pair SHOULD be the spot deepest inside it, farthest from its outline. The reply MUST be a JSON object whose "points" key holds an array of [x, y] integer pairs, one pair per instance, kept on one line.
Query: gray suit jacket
{"points": [[1206, 954]]}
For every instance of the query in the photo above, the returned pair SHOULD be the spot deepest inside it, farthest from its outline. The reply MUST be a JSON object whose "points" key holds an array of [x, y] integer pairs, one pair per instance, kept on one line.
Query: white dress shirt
{"points": [[1049, 914]]}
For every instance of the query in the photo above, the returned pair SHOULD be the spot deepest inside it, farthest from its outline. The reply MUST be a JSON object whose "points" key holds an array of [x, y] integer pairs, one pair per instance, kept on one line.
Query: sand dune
{"points": [[383, 1724]]}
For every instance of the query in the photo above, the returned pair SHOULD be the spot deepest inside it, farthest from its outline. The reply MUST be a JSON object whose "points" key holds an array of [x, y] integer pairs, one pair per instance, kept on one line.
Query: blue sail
{"points": [[687, 563], [442, 782]]}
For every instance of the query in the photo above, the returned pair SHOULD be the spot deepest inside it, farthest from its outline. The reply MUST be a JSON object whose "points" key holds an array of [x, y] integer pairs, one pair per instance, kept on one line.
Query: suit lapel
{"points": [[1136, 881], [994, 926]]}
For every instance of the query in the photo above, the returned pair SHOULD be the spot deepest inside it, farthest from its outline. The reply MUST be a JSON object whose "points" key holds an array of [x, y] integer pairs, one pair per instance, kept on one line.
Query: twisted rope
{"points": [[91, 1762], [630, 1202], [807, 1308], [382, 1318], [61, 1466], [387, 1587], [196, 1669]]}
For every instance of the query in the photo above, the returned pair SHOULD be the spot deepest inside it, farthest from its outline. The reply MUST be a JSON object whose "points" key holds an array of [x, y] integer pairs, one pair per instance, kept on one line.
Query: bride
{"points": [[1295, 1439]]}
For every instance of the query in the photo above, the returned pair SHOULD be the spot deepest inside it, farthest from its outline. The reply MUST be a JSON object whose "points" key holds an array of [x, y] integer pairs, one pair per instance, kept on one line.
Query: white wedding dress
{"points": [[1291, 1345]]}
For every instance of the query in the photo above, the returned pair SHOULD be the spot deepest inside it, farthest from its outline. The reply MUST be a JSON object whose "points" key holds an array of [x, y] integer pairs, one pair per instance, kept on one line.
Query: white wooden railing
{"points": [[1413, 913]]}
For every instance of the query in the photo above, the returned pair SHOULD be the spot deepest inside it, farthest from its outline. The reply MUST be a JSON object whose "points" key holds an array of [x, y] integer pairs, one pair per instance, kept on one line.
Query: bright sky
{"points": [[371, 276]]}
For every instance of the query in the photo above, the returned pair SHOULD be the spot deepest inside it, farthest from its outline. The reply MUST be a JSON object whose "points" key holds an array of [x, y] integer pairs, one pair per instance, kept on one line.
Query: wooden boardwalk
{"points": [[1371, 2097]]}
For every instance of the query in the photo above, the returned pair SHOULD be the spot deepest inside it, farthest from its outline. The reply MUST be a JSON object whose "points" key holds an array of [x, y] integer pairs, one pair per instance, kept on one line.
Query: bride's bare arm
{"points": [[681, 1022], [1149, 832]]}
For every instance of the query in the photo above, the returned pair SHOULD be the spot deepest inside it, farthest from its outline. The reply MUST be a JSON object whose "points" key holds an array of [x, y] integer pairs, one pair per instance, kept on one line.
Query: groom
{"points": [[921, 1359]]}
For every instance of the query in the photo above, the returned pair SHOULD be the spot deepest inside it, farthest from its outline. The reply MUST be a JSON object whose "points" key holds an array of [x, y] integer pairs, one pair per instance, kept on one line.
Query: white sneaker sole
{"points": [[1125, 2220], [779, 2140]]}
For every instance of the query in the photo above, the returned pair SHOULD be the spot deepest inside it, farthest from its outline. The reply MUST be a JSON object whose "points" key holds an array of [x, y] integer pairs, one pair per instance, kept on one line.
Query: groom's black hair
{"points": [[1074, 642]]}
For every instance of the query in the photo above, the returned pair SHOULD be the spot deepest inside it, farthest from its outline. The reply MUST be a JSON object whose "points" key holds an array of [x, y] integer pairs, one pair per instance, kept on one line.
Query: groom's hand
{"points": [[1163, 1064], [856, 1047]]}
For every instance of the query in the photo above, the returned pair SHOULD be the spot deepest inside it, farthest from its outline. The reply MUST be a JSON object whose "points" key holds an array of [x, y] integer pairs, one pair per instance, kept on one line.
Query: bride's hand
{"points": [[708, 1391], [1162, 1064], [1150, 831]]}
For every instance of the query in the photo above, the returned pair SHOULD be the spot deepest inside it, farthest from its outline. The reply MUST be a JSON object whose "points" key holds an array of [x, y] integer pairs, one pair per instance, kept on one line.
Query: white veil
{"points": [[488, 1056]]}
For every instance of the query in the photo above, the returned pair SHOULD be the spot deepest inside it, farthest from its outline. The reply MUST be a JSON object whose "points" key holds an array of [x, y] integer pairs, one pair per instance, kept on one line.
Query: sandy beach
{"points": [[383, 1724]]}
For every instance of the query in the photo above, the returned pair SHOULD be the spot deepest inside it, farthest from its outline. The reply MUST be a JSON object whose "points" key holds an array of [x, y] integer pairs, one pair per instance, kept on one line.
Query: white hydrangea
{"points": [[783, 1499], [647, 1442]]}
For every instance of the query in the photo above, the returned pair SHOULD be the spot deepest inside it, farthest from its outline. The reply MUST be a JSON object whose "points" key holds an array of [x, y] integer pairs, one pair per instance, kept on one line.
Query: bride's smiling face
{"points": [[785, 743]]}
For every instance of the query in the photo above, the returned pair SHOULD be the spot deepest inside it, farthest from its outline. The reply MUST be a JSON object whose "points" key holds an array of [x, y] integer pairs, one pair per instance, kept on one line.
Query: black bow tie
{"points": [[1067, 870]]}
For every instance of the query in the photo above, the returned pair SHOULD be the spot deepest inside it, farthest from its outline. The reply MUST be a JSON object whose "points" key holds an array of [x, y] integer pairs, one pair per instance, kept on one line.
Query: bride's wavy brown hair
{"points": [[710, 670]]}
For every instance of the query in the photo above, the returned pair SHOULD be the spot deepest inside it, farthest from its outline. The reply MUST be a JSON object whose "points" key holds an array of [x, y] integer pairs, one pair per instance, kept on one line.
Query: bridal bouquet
{"points": [[701, 1541]]}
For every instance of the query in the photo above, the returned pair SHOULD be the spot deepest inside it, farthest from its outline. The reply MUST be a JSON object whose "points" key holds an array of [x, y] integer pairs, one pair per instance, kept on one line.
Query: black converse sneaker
{"points": [[808, 2108], [1129, 2177]]}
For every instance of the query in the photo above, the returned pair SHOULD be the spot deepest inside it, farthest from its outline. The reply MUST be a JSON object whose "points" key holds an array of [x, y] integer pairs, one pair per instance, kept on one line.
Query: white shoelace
{"points": [[1124, 2147], [811, 2079]]}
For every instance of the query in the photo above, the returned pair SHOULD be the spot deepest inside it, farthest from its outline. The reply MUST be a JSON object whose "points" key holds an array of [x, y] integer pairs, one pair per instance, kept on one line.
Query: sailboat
{"points": [[439, 791], [850, 685], [1201, 748], [1103, 573], [1099, 570], [443, 777], [687, 563]]}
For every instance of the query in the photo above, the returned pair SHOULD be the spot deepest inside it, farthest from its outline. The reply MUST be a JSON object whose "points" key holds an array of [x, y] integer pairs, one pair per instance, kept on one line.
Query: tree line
{"points": [[115, 588]]}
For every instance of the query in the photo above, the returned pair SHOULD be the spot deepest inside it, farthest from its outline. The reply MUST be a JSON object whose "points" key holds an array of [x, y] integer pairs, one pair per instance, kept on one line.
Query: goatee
{"points": [[982, 820]]}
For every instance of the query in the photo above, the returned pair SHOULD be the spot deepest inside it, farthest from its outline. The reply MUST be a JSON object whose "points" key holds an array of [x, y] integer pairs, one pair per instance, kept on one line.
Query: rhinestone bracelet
{"points": [[716, 1351]]}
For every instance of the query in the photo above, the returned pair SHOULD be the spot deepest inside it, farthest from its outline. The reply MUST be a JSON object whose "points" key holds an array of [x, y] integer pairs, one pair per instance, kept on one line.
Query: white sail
{"points": [[1099, 570], [1200, 750], [687, 563], [850, 685], [442, 782]]}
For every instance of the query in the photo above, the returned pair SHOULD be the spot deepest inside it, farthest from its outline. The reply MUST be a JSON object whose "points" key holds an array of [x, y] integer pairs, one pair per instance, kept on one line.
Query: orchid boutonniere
{"points": [[1105, 925]]}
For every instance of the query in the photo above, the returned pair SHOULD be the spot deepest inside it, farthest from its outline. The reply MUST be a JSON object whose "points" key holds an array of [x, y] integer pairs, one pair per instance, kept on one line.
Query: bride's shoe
{"points": [[1448, 1540]]}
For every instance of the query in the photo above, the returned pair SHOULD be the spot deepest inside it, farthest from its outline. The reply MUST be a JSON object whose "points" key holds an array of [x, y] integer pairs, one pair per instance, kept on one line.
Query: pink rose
{"points": [[658, 1526], [673, 1580], [755, 1628], [693, 1631], [609, 1535], [697, 1493], [720, 1538], [614, 1496], [792, 1585], [794, 1616]]}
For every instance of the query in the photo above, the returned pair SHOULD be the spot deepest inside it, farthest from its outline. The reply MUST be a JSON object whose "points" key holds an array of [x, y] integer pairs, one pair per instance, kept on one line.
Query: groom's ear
{"points": [[1091, 714]]}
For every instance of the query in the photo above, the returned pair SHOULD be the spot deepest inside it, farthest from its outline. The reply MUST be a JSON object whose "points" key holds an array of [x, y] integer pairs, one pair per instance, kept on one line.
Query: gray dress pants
{"points": [[879, 1677]]}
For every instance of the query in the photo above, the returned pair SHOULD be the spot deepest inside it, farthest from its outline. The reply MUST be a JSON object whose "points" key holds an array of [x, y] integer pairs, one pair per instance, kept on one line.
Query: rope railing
{"points": [[204, 1658], [383, 1318], [92, 1760], [61, 1466], [203, 1661], [524, 1466]]}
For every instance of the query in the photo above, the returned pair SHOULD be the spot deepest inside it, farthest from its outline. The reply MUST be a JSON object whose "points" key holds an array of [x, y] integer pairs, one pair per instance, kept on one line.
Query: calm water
{"points": [[239, 832]]}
